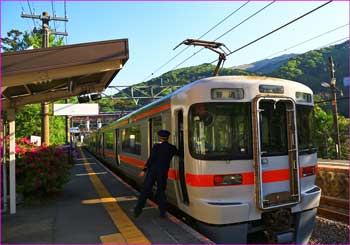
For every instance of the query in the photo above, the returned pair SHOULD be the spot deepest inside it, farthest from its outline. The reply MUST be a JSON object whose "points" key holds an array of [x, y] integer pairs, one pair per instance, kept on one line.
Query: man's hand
{"points": [[142, 173]]}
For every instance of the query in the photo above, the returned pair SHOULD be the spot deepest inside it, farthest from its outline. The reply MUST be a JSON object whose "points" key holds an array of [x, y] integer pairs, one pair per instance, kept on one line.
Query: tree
{"points": [[324, 131], [14, 41], [28, 118], [17, 40]]}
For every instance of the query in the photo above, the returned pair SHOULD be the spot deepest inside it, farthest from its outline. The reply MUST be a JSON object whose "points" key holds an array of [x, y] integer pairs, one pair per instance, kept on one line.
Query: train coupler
{"points": [[278, 225]]}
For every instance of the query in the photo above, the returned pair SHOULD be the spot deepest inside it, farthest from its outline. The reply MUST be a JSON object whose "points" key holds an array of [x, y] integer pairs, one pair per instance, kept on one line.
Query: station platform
{"points": [[95, 207]]}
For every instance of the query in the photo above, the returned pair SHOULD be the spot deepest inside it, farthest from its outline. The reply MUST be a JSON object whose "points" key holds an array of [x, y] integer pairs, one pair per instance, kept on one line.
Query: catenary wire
{"points": [[30, 28], [233, 28], [308, 40], [328, 44], [53, 13], [212, 28], [31, 12], [65, 23], [279, 28]]}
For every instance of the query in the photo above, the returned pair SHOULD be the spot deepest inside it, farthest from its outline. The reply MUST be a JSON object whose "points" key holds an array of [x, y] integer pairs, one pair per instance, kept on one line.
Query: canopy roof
{"points": [[50, 74]]}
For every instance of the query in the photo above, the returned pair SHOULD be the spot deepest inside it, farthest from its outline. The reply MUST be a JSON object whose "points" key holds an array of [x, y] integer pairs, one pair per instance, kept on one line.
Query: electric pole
{"points": [[45, 19], [334, 107]]}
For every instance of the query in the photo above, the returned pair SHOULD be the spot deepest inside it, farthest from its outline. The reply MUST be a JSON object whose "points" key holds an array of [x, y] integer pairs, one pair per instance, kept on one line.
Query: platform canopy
{"points": [[49, 74]]}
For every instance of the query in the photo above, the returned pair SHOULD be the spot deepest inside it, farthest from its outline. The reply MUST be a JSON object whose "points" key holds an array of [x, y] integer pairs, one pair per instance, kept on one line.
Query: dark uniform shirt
{"points": [[157, 167], [161, 155]]}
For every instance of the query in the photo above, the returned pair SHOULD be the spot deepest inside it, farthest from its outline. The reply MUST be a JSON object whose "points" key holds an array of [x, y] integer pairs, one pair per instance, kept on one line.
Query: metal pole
{"points": [[45, 127], [67, 126], [336, 135]]}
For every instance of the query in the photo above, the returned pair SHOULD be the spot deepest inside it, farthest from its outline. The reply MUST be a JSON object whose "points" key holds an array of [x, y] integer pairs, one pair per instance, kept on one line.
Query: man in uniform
{"points": [[157, 167]]}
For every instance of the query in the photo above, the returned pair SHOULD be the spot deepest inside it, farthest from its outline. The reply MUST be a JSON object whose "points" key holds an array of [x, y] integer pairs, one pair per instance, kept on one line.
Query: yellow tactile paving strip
{"points": [[129, 233]]}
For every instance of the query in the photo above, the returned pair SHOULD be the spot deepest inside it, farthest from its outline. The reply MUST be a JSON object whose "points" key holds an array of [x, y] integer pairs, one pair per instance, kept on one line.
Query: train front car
{"points": [[249, 166]]}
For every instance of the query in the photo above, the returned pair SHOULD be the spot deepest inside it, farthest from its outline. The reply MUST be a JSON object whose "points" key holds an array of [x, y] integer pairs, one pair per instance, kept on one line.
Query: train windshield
{"points": [[220, 131], [305, 129], [273, 128]]}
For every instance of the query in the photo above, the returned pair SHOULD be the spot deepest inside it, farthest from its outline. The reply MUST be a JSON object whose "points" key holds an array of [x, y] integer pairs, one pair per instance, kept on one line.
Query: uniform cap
{"points": [[163, 133]]}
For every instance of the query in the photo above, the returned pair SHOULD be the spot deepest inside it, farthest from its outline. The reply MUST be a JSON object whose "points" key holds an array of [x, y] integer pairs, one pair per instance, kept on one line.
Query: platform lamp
{"points": [[83, 98], [95, 96]]}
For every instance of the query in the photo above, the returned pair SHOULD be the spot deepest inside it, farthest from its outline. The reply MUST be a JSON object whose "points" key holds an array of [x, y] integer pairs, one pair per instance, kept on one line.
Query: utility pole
{"points": [[46, 18], [334, 107]]}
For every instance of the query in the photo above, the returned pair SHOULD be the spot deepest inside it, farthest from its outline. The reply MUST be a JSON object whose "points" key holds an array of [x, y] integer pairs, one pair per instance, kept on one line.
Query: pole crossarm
{"points": [[44, 17]]}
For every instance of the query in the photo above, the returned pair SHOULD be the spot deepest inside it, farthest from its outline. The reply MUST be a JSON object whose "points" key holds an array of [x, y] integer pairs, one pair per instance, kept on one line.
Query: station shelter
{"points": [[50, 74]]}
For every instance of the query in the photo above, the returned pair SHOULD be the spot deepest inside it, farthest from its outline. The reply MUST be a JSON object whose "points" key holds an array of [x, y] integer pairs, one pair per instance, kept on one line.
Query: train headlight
{"points": [[232, 179], [308, 171]]}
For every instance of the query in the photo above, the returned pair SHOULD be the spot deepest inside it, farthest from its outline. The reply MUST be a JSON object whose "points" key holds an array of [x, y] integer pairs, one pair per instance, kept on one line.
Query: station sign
{"points": [[75, 109], [74, 130]]}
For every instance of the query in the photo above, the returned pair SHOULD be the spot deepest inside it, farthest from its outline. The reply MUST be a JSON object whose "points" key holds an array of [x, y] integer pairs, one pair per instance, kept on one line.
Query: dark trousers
{"points": [[151, 178]]}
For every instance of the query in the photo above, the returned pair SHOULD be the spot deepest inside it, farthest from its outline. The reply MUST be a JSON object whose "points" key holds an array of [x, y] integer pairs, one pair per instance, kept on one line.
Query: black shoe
{"points": [[137, 213]]}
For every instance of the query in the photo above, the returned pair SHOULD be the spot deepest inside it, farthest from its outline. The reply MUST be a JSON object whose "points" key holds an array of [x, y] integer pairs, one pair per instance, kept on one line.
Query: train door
{"points": [[116, 142], [275, 152], [181, 180]]}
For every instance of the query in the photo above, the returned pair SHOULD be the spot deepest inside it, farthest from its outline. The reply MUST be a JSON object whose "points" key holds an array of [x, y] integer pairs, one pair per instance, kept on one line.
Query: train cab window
{"points": [[220, 131], [305, 124], [109, 140], [131, 140]]}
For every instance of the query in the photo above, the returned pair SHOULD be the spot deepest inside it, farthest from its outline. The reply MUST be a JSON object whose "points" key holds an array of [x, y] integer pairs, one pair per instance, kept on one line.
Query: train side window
{"points": [[109, 140], [305, 122], [156, 125], [131, 140]]}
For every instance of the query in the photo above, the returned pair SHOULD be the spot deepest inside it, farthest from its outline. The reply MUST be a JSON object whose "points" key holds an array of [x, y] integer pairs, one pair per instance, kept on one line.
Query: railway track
{"points": [[334, 209]]}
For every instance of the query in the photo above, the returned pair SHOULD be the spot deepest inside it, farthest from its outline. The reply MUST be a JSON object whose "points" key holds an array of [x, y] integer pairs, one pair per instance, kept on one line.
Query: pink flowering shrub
{"points": [[40, 170]]}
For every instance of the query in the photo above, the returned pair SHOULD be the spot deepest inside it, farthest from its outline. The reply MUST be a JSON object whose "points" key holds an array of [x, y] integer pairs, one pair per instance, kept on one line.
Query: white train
{"points": [[248, 164]]}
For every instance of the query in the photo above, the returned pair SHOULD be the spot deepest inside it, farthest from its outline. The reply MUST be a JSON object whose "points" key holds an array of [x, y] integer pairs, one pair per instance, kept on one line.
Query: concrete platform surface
{"points": [[95, 207]]}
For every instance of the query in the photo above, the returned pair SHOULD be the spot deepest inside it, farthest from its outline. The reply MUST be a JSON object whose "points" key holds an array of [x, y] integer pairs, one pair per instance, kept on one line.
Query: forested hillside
{"points": [[181, 77], [266, 65], [312, 69]]}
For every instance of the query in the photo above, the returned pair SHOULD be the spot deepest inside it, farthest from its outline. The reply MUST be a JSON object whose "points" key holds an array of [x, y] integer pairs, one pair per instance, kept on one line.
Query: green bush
{"points": [[41, 170]]}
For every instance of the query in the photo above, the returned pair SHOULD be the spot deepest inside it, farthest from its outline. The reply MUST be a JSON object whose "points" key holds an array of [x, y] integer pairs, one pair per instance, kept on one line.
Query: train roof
{"points": [[239, 81]]}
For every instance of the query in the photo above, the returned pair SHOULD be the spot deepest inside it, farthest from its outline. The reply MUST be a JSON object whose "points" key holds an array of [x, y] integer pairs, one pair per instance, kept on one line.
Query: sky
{"points": [[154, 28]]}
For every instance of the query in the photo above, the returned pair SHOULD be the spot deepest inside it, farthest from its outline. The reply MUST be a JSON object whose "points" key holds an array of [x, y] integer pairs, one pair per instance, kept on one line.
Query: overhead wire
{"points": [[225, 33], [279, 28], [30, 28], [184, 49], [31, 12], [53, 13], [65, 23], [328, 44], [308, 40]]}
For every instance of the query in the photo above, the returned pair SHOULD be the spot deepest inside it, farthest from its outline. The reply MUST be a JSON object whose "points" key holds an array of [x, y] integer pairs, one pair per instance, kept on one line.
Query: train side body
{"points": [[242, 161]]}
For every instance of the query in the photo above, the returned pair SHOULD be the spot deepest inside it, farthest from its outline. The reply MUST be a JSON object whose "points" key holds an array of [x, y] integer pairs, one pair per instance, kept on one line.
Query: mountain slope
{"points": [[310, 68], [266, 65]]}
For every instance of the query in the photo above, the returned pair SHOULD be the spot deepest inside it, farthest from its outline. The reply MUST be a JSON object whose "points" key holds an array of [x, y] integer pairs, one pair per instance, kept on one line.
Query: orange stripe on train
{"points": [[151, 112], [207, 180]]}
